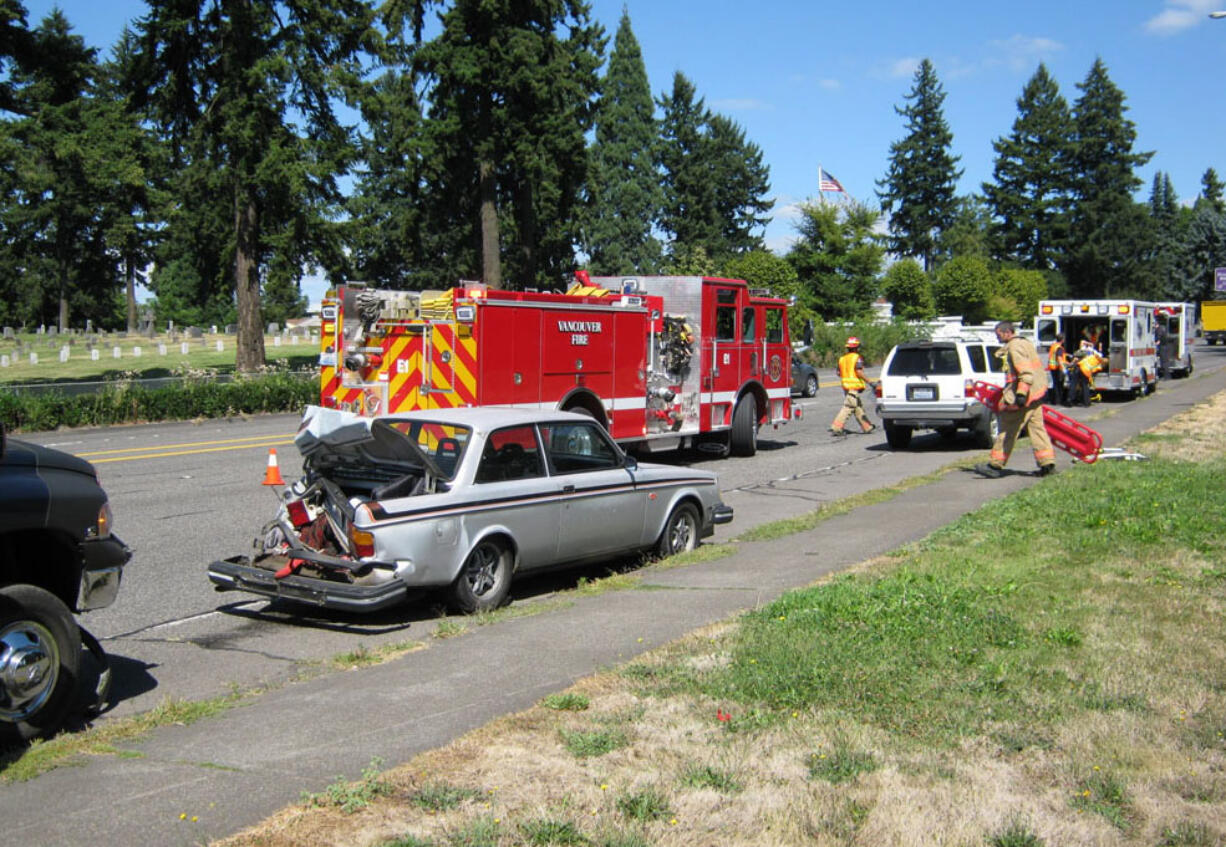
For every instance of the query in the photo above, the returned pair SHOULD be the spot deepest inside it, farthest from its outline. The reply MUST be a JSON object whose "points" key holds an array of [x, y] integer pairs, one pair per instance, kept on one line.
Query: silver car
{"points": [[462, 499]]}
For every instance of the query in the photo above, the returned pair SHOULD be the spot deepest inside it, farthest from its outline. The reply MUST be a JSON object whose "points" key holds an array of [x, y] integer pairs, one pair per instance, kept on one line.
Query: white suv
{"points": [[926, 385]]}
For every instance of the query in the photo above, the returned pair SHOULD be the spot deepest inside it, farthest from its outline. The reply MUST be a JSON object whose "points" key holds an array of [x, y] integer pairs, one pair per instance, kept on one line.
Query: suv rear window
{"points": [[925, 361]]}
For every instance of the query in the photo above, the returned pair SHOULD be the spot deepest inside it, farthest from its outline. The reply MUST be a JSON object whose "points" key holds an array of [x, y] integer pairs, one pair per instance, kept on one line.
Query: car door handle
{"points": [[568, 489]]}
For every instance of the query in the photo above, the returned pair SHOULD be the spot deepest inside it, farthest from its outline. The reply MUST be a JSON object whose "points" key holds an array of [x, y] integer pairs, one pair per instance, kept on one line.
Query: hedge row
{"points": [[876, 340], [125, 402]]}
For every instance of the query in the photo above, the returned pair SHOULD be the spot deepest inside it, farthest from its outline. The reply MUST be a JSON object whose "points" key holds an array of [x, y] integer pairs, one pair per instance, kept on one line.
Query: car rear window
{"points": [[925, 361]]}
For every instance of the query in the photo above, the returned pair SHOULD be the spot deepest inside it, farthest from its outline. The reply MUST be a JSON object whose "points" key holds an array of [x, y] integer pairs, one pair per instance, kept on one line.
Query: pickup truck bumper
{"points": [[238, 574], [103, 571]]}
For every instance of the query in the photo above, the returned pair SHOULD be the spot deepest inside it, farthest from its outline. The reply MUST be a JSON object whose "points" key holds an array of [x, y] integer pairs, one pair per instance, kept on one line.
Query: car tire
{"points": [[743, 440], [986, 431], [680, 531], [810, 389], [484, 579], [40, 658], [898, 437]]}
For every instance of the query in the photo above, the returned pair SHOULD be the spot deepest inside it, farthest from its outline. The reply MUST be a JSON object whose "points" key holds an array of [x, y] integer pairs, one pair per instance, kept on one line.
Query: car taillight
{"points": [[298, 514], [361, 543]]}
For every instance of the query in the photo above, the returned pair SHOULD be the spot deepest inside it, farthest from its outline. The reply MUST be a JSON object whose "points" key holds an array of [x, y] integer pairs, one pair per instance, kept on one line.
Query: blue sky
{"points": [[817, 83]]}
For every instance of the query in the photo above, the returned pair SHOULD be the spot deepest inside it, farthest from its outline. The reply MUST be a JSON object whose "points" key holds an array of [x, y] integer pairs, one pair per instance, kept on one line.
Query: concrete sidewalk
{"points": [[234, 770]]}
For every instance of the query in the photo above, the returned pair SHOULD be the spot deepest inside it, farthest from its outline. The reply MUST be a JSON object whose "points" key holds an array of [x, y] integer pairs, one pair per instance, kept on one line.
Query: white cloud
{"points": [[829, 84], [904, 67], [1180, 15]]}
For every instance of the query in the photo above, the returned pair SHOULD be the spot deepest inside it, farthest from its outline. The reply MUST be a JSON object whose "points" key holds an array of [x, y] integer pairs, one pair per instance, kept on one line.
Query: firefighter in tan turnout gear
{"points": [[1021, 405], [853, 380]]}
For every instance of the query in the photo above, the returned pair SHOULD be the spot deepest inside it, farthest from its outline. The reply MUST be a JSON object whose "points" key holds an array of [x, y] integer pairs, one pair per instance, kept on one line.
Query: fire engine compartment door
{"points": [[438, 363]]}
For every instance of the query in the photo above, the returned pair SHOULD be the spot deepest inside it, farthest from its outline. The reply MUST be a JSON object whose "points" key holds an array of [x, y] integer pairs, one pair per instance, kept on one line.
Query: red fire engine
{"points": [[662, 362]]}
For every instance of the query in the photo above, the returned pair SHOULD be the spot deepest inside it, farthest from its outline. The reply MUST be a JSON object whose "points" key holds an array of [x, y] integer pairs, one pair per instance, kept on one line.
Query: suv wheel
{"points": [[986, 431], [898, 437], [810, 389], [40, 655]]}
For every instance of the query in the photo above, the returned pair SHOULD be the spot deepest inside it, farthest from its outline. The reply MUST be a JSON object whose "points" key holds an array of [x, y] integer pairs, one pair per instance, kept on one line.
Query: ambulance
{"points": [[1175, 354], [1120, 330]]}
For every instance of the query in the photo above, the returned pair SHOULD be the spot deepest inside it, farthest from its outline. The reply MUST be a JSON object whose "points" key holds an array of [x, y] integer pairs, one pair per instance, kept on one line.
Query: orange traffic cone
{"points": [[272, 476]]}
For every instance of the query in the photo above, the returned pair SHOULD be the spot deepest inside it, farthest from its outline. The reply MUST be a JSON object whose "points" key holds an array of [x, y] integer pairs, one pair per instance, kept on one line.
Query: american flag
{"points": [[827, 182]]}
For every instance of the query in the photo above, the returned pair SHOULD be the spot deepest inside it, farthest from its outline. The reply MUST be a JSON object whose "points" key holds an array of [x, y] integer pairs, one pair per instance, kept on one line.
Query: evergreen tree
{"points": [[1110, 236], [387, 236], [1203, 249], [742, 183], [969, 233], [909, 290], [1211, 191], [624, 196], [52, 220], [837, 258], [1166, 227], [689, 215], [512, 93], [715, 182], [246, 95], [1032, 180], [16, 50], [918, 189]]}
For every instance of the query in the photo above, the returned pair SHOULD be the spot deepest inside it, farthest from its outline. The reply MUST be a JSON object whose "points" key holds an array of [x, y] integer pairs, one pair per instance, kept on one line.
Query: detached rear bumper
{"points": [[721, 514], [238, 574]]}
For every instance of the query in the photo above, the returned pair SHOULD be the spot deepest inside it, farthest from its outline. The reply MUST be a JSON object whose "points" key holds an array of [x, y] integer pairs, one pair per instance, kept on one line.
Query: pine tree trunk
{"points": [[249, 355], [491, 264]]}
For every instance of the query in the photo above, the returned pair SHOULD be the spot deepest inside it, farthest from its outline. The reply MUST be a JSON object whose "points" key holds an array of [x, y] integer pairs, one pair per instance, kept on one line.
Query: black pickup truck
{"points": [[57, 556]]}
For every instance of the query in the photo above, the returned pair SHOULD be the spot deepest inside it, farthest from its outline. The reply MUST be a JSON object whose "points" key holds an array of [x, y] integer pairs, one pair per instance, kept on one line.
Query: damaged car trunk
{"points": [[312, 551]]}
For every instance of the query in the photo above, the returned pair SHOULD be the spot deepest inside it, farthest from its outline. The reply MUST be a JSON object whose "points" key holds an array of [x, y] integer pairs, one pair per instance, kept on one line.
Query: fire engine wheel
{"points": [[485, 578], [40, 655], [680, 532], [743, 441]]}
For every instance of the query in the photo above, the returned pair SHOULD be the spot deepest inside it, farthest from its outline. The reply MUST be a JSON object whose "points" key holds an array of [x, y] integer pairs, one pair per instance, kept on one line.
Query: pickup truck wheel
{"points": [[484, 580], [744, 438], [40, 656], [898, 437], [680, 532]]}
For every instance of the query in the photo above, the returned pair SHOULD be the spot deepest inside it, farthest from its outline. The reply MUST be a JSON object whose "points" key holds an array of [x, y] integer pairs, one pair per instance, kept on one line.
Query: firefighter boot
{"points": [[989, 470]]}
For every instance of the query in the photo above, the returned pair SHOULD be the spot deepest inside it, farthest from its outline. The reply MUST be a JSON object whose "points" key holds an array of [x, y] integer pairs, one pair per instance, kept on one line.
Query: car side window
{"points": [[978, 363], [579, 447], [996, 359], [510, 453]]}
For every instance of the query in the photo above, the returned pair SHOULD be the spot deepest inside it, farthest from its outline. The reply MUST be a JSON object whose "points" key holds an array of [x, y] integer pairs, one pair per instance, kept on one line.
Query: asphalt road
{"points": [[184, 494], [170, 636]]}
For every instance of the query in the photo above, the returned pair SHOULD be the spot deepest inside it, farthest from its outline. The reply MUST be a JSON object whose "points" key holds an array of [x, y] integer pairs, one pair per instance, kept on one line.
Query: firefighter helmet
{"points": [[853, 342]]}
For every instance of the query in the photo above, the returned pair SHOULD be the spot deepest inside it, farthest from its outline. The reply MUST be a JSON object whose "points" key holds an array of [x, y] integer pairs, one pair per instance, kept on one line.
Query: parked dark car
{"points": [[804, 377], [58, 556]]}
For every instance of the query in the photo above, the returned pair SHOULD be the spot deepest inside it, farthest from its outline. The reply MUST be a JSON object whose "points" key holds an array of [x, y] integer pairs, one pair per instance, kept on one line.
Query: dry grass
{"points": [[1138, 759]]}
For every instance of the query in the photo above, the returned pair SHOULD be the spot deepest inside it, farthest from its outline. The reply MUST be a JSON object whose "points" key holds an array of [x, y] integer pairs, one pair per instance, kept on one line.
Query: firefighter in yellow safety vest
{"points": [[1021, 405], [853, 380]]}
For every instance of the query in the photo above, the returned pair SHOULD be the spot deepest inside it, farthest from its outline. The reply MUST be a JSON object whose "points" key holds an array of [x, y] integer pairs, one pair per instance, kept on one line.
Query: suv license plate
{"points": [[923, 392]]}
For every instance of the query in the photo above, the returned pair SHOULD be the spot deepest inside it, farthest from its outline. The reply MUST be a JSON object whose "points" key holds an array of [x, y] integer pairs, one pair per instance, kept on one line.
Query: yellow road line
{"points": [[146, 449], [166, 452]]}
